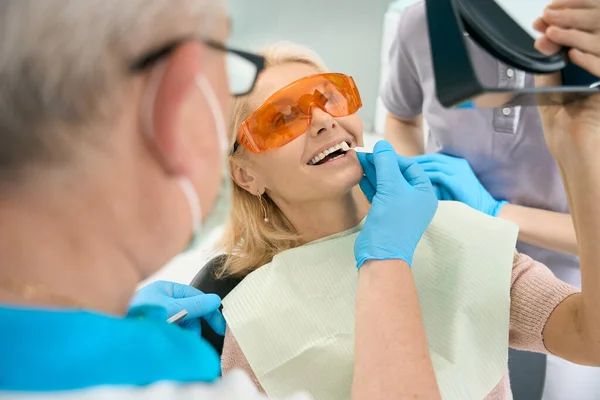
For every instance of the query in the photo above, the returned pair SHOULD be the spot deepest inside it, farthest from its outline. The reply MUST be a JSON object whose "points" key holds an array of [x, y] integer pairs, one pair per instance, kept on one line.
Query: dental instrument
{"points": [[175, 319]]}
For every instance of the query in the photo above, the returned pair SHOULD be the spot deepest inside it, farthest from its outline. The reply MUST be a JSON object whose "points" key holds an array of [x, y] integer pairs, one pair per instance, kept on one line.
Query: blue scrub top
{"points": [[52, 350]]}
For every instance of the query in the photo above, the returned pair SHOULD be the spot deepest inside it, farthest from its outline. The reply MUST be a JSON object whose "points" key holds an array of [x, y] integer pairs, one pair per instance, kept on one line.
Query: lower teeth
{"points": [[335, 158]]}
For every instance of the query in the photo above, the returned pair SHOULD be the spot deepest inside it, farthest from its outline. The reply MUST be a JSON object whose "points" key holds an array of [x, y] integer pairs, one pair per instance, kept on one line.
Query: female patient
{"points": [[294, 190]]}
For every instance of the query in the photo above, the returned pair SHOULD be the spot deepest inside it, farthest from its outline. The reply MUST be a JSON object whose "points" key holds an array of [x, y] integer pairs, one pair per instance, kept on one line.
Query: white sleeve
{"points": [[237, 385], [234, 386]]}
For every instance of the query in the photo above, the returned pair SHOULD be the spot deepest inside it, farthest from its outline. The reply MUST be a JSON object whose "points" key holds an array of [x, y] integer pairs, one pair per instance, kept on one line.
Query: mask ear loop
{"points": [[215, 107], [147, 110], [184, 183], [194, 203]]}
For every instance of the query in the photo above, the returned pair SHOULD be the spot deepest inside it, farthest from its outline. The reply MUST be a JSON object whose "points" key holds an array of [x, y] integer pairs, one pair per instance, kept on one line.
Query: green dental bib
{"points": [[294, 317]]}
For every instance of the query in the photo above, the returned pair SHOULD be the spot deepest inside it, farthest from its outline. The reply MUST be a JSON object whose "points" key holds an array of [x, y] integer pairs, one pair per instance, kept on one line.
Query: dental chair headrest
{"points": [[207, 282]]}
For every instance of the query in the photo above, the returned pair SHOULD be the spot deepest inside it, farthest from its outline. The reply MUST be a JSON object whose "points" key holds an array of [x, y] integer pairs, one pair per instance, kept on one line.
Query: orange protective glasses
{"points": [[287, 114]]}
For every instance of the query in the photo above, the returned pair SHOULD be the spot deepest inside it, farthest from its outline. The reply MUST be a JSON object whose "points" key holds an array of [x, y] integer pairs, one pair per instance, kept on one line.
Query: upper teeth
{"points": [[340, 146]]}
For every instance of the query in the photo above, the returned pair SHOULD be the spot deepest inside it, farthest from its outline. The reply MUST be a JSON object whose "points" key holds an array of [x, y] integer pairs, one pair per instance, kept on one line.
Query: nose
{"points": [[321, 122]]}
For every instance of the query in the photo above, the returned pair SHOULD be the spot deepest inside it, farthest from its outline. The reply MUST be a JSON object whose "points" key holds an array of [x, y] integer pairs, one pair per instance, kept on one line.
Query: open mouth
{"points": [[332, 153]]}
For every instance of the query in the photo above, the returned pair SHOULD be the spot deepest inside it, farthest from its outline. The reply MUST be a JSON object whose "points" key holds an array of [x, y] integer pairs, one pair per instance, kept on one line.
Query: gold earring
{"points": [[262, 206]]}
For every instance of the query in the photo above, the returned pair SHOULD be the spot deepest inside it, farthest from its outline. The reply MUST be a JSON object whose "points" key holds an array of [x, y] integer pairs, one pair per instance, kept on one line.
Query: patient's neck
{"points": [[316, 220]]}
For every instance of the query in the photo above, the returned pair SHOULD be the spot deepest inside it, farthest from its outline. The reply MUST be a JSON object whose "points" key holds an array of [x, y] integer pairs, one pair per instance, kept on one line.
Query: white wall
{"points": [[524, 11]]}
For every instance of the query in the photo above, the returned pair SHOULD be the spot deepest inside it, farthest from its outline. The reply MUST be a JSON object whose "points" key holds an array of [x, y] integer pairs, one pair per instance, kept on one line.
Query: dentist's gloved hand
{"points": [[458, 182], [403, 204], [174, 297], [437, 190]]}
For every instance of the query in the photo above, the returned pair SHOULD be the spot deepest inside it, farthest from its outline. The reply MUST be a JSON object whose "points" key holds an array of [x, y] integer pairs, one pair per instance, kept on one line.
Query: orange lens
{"points": [[287, 114]]}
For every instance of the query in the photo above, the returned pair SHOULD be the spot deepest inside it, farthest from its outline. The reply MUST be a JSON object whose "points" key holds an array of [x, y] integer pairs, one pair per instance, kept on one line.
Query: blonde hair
{"points": [[249, 241]]}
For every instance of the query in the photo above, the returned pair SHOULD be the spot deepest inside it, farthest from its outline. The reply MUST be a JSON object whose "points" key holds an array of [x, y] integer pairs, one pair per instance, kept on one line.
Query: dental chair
{"points": [[206, 280]]}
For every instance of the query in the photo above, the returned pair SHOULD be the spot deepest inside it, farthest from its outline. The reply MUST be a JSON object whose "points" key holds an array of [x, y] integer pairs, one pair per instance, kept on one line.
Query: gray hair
{"points": [[64, 63]]}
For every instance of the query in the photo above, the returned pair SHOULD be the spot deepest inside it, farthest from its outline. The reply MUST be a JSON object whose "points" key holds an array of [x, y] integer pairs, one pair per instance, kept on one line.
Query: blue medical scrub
{"points": [[54, 350]]}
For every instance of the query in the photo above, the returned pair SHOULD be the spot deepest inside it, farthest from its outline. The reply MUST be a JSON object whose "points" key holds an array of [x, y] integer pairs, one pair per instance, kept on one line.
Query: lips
{"points": [[336, 151]]}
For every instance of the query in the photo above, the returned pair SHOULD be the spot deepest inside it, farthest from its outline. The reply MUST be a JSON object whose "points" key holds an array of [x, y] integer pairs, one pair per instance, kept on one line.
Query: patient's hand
{"points": [[574, 24]]}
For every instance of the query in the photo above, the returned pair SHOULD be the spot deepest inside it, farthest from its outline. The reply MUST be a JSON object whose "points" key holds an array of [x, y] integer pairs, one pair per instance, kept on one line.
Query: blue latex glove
{"points": [[174, 297], [458, 182], [403, 204], [437, 190]]}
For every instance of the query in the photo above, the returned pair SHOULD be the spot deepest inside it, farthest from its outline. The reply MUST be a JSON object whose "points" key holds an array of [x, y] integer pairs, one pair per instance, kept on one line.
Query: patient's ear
{"points": [[245, 177]]}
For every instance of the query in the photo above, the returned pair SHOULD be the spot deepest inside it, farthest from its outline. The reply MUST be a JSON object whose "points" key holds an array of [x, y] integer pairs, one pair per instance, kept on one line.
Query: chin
{"points": [[343, 181]]}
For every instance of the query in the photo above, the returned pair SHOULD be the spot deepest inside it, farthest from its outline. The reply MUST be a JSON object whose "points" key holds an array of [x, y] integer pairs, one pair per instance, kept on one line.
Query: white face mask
{"points": [[218, 213]]}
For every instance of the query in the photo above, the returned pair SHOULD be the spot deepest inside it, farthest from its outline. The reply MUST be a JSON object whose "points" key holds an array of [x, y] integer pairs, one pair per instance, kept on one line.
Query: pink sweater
{"points": [[535, 293]]}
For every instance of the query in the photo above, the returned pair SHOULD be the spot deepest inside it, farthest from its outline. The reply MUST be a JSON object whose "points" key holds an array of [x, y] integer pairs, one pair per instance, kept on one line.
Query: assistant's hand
{"points": [[174, 297], [574, 24], [403, 204], [458, 182]]}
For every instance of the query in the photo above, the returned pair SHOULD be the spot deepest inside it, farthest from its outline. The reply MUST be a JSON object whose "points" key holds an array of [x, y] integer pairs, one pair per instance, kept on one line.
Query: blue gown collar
{"points": [[51, 350]]}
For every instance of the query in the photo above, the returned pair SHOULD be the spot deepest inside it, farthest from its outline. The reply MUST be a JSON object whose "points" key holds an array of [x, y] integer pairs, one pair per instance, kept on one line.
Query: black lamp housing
{"points": [[490, 27]]}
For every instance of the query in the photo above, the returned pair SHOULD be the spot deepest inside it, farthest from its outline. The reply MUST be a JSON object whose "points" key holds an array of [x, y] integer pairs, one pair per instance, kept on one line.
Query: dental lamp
{"points": [[453, 22]]}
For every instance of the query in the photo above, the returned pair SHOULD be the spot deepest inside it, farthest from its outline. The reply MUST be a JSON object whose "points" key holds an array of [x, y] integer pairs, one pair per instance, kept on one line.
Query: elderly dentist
{"points": [[112, 134]]}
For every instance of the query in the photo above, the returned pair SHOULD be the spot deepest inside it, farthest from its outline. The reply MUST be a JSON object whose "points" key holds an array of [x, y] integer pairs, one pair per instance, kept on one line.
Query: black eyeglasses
{"points": [[242, 67]]}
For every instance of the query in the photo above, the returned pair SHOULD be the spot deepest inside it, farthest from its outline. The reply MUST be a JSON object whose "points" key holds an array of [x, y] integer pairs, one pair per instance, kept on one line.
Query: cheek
{"points": [[353, 125], [278, 172], [280, 167]]}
